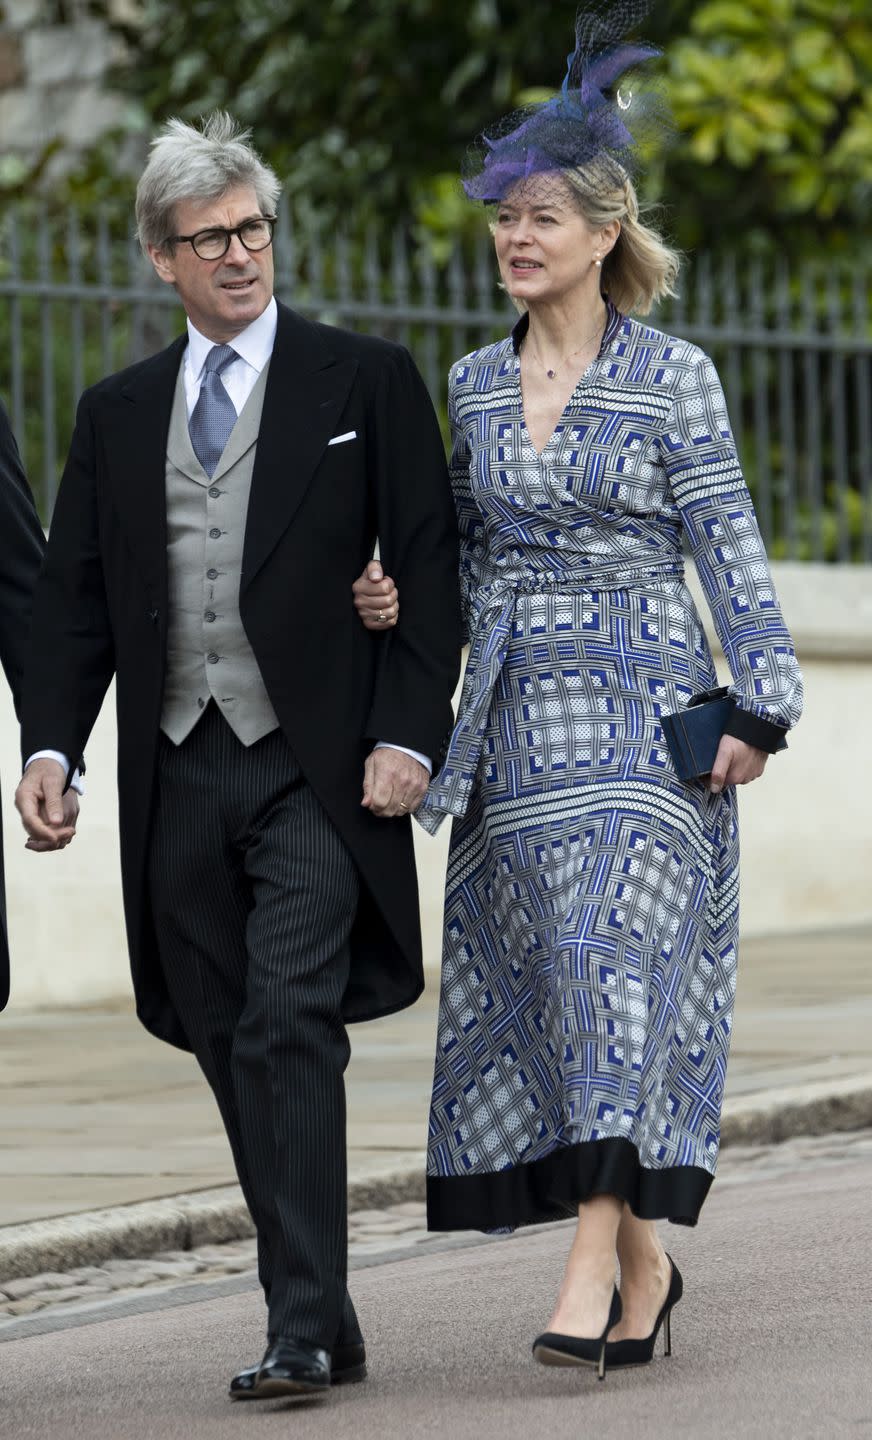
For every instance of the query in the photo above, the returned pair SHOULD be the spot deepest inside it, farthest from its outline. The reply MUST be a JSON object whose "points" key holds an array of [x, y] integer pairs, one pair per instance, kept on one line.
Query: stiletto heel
{"points": [[641, 1352], [551, 1348]]}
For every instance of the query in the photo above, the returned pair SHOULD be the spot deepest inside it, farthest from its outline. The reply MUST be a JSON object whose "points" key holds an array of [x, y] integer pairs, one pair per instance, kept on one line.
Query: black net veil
{"points": [[608, 115]]}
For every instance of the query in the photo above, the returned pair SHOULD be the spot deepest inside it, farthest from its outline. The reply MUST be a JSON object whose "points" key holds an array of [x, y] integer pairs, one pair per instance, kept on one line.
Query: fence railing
{"points": [[793, 346]]}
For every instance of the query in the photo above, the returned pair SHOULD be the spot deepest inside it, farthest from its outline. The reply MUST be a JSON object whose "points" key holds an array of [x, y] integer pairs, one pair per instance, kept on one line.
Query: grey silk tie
{"points": [[213, 417]]}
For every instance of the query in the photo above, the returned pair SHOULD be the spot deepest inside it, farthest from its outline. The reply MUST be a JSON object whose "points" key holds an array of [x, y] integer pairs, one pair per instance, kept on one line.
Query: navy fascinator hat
{"points": [[601, 115]]}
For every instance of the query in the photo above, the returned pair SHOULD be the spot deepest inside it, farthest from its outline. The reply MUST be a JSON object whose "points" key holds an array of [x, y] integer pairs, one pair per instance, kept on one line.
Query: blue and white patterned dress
{"points": [[591, 912]]}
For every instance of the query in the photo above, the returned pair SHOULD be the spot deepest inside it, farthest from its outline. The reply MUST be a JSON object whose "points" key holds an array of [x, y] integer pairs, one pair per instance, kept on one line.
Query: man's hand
{"points": [[736, 764], [47, 814], [375, 598], [393, 783]]}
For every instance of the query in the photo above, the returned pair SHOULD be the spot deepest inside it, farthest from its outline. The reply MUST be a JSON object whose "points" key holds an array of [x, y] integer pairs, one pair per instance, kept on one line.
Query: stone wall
{"points": [[55, 64]]}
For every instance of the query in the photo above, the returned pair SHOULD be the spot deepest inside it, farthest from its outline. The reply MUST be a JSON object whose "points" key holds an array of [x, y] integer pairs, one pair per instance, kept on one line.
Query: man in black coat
{"points": [[217, 503], [23, 546]]}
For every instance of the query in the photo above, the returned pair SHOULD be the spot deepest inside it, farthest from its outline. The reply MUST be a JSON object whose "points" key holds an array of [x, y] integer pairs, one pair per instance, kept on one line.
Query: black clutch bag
{"points": [[694, 734]]}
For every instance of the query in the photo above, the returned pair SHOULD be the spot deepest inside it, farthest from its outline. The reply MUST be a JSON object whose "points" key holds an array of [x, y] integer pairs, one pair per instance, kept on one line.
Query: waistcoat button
{"points": [[212, 658], [214, 534]]}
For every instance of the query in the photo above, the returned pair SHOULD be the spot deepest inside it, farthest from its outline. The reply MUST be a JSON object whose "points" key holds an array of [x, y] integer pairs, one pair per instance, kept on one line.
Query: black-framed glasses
{"points": [[255, 234]]}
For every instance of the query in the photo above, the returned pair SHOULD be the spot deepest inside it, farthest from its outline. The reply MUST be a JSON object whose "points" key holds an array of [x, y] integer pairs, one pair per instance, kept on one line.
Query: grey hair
{"points": [[186, 163]]}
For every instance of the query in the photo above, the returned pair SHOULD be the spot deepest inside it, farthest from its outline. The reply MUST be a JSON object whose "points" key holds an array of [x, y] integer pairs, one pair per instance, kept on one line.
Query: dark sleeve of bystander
{"points": [[21, 550]]}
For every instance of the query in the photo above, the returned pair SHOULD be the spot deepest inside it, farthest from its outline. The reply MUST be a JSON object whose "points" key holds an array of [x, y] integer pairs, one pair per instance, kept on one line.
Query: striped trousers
{"points": [[253, 895]]}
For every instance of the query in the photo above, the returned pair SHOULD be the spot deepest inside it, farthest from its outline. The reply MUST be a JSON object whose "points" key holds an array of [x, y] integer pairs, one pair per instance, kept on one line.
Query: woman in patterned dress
{"points": [[591, 915]]}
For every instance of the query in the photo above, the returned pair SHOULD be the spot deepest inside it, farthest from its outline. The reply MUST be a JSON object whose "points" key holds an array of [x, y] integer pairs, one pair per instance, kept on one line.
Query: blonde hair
{"points": [[641, 268]]}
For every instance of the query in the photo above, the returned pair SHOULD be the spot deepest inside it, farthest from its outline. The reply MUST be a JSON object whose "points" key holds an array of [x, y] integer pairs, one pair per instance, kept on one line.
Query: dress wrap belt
{"points": [[493, 604]]}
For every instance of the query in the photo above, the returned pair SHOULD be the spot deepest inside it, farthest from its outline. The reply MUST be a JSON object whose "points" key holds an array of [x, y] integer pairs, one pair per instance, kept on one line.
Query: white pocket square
{"points": [[341, 439]]}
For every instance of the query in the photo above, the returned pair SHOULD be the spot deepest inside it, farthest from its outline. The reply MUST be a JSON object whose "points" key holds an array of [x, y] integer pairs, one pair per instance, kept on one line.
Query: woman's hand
{"points": [[375, 598], [736, 764]]}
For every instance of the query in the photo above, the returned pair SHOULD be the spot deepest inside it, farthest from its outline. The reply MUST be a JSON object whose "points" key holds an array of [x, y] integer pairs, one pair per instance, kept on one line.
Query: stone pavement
{"points": [[374, 1237], [370, 1233], [771, 1340], [97, 1114]]}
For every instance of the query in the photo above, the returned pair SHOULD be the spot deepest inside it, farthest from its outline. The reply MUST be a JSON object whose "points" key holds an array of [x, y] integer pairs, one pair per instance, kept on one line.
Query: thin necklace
{"points": [[552, 374]]}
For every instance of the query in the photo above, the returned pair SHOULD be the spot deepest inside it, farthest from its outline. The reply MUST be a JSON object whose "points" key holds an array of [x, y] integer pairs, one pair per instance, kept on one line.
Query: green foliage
{"points": [[367, 109], [773, 103], [356, 105]]}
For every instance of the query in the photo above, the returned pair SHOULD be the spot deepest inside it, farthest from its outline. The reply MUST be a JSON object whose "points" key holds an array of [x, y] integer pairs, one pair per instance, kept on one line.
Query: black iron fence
{"points": [[793, 346]]}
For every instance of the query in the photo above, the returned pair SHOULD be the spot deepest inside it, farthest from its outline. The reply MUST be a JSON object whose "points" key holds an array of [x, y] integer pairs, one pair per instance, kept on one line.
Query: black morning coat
{"points": [[22, 548], [315, 510]]}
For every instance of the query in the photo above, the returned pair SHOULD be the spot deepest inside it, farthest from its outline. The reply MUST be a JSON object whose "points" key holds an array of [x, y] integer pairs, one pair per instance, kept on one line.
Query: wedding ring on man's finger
{"points": [[382, 617], [403, 805]]}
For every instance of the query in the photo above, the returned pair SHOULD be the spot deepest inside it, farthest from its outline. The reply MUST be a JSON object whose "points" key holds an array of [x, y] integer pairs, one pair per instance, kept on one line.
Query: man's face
{"points": [[221, 297]]}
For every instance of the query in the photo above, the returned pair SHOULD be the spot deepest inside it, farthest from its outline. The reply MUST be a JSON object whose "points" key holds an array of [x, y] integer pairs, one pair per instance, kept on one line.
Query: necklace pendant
{"points": [[550, 374]]}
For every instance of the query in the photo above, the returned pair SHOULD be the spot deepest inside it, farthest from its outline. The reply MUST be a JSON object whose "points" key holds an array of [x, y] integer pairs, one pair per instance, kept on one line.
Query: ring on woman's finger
{"points": [[381, 615]]}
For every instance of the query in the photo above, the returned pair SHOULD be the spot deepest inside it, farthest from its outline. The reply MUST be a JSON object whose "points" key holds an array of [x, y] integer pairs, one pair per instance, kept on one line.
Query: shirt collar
{"points": [[614, 321], [254, 344]]}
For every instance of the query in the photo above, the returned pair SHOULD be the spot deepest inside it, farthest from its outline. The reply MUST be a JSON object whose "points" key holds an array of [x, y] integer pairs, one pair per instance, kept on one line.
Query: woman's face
{"points": [[545, 247]]}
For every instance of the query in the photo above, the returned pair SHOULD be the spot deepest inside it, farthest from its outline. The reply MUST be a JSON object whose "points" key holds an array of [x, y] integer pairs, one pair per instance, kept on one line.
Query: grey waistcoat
{"points": [[208, 653]]}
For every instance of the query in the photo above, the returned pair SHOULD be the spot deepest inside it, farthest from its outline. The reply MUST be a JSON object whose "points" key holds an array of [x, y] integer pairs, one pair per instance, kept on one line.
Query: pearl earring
{"points": [[598, 262]]}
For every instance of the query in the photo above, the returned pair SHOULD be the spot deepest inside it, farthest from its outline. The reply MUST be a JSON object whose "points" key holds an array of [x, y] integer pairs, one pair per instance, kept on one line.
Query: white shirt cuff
{"points": [[421, 759], [77, 783]]}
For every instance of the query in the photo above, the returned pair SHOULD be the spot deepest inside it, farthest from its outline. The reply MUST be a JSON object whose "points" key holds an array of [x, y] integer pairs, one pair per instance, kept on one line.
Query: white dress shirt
{"points": [[254, 347]]}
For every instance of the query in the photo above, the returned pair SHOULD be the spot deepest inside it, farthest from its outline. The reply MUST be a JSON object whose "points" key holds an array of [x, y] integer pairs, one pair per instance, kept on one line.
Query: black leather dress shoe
{"points": [[293, 1367], [347, 1365]]}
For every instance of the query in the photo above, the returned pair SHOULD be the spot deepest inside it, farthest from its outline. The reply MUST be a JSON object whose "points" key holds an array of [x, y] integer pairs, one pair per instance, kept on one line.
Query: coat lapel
{"points": [[180, 451], [306, 392], [136, 450]]}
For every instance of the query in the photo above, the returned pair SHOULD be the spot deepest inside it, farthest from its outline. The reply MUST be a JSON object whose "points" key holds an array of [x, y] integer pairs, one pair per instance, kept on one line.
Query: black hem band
{"points": [[762, 734], [553, 1187]]}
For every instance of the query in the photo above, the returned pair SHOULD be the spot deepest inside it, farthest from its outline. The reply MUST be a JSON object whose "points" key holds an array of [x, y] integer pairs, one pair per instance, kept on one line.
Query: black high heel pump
{"points": [[641, 1352], [552, 1348]]}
